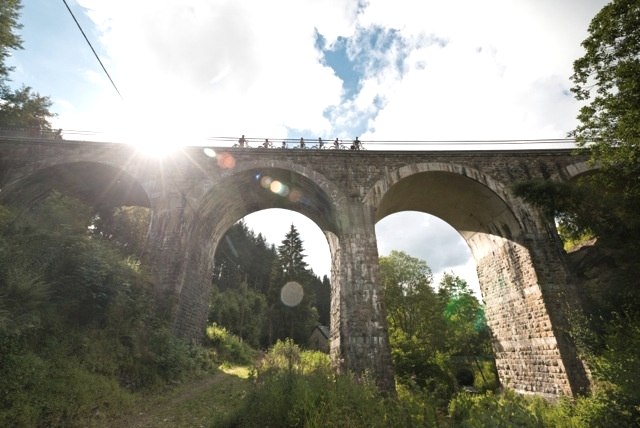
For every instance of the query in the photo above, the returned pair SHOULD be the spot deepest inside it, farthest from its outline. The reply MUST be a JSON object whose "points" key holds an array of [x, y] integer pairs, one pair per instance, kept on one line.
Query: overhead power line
{"points": [[92, 49]]}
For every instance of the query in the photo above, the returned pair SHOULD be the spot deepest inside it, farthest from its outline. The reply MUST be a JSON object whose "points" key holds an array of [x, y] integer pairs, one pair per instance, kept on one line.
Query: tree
{"points": [[432, 335], [291, 254], [295, 322], [22, 108], [9, 39], [323, 300], [242, 311], [468, 335], [243, 256], [607, 79], [19, 108], [410, 300], [414, 317]]}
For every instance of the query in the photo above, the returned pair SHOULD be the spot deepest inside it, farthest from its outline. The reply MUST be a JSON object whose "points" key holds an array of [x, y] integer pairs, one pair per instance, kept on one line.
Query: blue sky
{"points": [[382, 70]]}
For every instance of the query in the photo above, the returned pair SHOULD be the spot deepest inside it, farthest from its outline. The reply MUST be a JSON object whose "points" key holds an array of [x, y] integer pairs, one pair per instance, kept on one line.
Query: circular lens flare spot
{"points": [[210, 152], [266, 181], [226, 160], [291, 294], [279, 188], [295, 195]]}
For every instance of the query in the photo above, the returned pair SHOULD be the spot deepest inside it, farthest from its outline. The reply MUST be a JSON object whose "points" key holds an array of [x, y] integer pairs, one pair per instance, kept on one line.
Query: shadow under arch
{"points": [[474, 204], [96, 184]]}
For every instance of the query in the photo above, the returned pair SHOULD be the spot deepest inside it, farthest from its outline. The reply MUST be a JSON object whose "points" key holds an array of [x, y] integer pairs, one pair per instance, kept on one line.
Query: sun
{"points": [[164, 143]]}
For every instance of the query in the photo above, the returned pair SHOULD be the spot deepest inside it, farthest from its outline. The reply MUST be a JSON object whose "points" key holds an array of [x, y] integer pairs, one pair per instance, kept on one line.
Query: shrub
{"points": [[295, 388], [229, 348]]}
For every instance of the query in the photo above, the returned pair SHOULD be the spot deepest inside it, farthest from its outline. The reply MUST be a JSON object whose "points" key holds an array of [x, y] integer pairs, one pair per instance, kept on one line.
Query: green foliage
{"points": [[243, 257], [584, 208], [607, 78], [126, 227], [229, 348], [22, 108], [295, 388], [242, 310], [505, 410], [248, 279], [19, 108], [36, 391], [285, 321], [79, 328], [612, 355], [9, 38], [433, 336]]}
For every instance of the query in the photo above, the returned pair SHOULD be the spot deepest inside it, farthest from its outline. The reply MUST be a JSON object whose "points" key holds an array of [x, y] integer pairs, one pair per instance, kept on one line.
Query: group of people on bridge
{"points": [[337, 144]]}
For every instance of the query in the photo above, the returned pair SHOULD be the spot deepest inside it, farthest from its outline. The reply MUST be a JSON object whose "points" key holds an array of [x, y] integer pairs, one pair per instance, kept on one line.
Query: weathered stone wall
{"points": [[195, 198], [528, 355]]}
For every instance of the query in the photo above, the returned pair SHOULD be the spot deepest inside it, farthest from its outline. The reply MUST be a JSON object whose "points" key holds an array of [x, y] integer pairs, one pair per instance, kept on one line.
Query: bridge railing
{"points": [[31, 133]]}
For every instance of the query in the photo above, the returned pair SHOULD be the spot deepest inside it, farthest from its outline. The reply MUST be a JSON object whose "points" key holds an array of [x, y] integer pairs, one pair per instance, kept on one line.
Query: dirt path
{"points": [[194, 404]]}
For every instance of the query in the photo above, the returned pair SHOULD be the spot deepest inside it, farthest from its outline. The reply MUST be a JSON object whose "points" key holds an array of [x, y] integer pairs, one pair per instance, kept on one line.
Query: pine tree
{"points": [[298, 321], [291, 255]]}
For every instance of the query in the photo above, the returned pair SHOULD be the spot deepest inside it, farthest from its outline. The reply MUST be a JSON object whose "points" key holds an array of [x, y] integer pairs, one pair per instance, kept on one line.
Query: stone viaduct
{"points": [[197, 193]]}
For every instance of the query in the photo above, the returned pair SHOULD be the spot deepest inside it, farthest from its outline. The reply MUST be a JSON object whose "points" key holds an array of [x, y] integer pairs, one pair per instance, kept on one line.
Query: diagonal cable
{"points": [[92, 49]]}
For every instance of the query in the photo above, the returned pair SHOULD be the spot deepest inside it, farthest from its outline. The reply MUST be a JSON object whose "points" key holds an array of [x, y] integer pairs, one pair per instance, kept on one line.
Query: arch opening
{"points": [[247, 193], [431, 239], [286, 297], [506, 240]]}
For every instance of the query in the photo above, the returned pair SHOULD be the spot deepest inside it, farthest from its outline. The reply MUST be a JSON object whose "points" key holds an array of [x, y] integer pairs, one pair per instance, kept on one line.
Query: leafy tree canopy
{"points": [[607, 77], [9, 39], [19, 108]]}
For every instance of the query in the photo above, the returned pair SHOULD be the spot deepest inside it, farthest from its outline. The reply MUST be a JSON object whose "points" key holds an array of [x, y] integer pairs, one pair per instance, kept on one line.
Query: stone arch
{"points": [[84, 180], [247, 189], [521, 274], [574, 170], [447, 188]]}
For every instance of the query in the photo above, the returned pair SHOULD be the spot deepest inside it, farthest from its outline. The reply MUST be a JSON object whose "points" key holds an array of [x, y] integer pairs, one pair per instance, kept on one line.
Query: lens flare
{"points": [[291, 294], [265, 182], [295, 195], [226, 160], [279, 188], [210, 152]]}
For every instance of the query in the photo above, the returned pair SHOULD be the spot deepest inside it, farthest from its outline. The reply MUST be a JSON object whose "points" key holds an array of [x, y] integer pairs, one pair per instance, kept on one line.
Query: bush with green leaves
{"points": [[507, 410], [228, 347], [297, 388], [79, 326]]}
